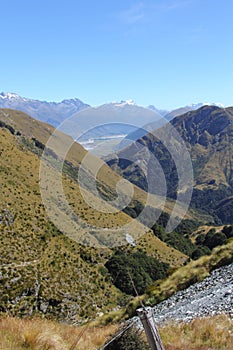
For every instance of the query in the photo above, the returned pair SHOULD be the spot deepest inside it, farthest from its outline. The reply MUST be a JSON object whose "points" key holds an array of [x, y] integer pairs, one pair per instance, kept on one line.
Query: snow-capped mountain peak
{"points": [[128, 102], [9, 95], [124, 103], [51, 112]]}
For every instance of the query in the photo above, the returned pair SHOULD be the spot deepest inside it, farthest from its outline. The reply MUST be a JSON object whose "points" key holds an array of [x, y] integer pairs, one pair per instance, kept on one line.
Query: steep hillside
{"points": [[107, 179], [42, 270], [208, 133], [208, 136]]}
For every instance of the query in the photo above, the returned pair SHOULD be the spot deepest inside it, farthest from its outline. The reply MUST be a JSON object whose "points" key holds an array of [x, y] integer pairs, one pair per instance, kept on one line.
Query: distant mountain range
{"points": [[50, 112], [54, 113], [99, 129], [126, 111]]}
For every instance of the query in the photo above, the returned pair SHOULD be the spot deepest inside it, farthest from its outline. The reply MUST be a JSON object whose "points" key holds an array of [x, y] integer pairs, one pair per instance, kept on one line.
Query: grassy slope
{"points": [[41, 131], [30, 127], [43, 270], [37, 255]]}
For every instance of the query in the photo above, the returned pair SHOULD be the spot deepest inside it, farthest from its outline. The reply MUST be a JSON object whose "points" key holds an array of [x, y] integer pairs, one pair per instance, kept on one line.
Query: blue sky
{"points": [[163, 52]]}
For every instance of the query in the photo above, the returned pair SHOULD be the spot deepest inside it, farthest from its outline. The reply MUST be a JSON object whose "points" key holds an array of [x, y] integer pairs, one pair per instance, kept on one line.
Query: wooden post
{"points": [[152, 333]]}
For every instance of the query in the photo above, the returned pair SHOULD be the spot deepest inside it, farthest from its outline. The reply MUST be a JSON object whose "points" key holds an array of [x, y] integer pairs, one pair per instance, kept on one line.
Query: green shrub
{"points": [[228, 231], [176, 239], [134, 270], [38, 143], [200, 251], [9, 127], [213, 239]]}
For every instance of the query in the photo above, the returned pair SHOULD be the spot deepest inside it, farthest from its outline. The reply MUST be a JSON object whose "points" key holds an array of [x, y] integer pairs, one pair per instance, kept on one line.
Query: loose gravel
{"points": [[212, 296]]}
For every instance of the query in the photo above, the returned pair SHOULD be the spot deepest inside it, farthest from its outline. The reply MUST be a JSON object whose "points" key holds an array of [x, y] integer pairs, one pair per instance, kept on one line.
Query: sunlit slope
{"points": [[108, 179], [43, 270]]}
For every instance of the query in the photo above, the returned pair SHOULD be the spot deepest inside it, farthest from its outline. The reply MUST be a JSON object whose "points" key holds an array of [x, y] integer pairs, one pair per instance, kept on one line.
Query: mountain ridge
{"points": [[207, 133]]}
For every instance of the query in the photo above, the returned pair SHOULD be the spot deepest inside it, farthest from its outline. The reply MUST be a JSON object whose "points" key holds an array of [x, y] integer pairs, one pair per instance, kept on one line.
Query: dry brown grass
{"points": [[38, 334], [215, 333], [201, 334]]}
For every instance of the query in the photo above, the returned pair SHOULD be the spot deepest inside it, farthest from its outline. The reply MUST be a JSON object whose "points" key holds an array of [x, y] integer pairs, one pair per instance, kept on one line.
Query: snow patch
{"points": [[124, 103], [9, 95]]}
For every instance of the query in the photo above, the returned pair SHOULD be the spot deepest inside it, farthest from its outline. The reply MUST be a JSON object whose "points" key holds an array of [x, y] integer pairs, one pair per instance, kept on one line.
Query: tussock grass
{"points": [[210, 333], [213, 333], [39, 334]]}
